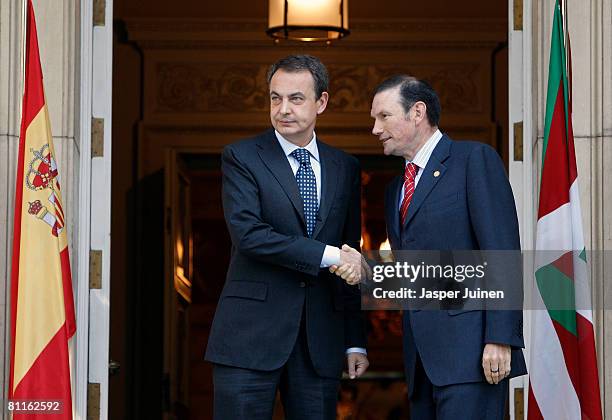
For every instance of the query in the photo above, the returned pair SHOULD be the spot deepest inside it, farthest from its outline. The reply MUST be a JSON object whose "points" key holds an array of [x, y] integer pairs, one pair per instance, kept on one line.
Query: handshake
{"points": [[353, 268]]}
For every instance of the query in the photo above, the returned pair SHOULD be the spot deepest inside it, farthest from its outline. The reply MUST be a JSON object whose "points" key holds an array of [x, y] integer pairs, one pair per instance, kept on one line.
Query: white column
{"points": [[96, 101], [10, 97], [521, 171], [604, 329]]}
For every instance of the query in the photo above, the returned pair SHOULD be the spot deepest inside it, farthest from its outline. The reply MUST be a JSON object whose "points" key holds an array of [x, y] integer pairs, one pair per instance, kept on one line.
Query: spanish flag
{"points": [[42, 306]]}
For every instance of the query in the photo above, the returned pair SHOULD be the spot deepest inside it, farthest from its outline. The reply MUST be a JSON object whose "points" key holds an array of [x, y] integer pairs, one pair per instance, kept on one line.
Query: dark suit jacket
{"points": [[468, 206], [274, 273]]}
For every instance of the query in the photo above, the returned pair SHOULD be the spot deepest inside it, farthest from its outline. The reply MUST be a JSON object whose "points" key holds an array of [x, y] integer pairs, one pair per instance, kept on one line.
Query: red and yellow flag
{"points": [[42, 306]]}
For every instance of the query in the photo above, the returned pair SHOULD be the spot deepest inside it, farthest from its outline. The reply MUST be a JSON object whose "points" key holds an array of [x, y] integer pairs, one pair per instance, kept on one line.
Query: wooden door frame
{"points": [[177, 288], [523, 159], [92, 281]]}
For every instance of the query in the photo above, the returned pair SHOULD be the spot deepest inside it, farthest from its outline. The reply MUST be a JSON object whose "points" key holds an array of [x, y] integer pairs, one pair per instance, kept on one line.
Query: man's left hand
{"points": [[357, 364], [496, 362]]}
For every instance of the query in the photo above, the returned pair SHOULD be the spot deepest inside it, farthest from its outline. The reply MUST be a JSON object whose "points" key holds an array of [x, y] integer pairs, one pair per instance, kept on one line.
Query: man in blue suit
{"points": [[452, 196], [292, 208]]}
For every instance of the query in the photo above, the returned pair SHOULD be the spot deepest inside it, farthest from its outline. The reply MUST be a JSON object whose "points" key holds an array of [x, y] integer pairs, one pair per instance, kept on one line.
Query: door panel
{"points": [[177, 287]]}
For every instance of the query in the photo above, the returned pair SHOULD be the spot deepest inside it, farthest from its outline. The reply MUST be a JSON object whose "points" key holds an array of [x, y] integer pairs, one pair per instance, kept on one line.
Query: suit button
{"points": [[302, 284]]}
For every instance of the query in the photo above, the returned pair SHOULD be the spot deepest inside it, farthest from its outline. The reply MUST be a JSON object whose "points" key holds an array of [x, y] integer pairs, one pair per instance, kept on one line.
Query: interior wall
{"points": [[358, 9], [127, 107]]}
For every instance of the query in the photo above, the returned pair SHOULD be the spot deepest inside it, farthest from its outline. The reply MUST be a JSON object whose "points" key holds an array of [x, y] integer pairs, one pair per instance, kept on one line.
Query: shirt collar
{"points": [[289, 147], [424, 153]]}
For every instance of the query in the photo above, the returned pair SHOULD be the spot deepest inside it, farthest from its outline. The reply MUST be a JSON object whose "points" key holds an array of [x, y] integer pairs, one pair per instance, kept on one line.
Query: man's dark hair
{"points": [[413, 90], [297, 63]]}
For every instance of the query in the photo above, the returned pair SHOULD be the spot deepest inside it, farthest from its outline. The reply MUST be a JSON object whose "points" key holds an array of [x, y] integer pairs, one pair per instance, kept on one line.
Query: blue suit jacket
{"points": [[274, 273], [468, 206]]}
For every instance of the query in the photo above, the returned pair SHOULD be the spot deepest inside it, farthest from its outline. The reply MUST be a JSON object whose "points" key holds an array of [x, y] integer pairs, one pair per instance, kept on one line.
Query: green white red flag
{"points": [[563, 377], [42, 307]]}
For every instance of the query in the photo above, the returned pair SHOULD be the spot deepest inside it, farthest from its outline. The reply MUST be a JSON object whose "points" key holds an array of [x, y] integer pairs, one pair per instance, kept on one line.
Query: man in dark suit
{"points": [[452, 196], [292, 208]]}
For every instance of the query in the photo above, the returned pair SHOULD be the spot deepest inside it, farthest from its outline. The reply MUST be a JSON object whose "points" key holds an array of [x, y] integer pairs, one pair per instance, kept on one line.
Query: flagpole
{"points": [[24, 36], [17, 216], [563, 4], [567, 49], [565, 32], [568, 53]]}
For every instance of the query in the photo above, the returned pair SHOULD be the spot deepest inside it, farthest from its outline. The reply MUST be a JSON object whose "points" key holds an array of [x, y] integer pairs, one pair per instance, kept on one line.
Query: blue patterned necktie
{"points": [[307, 184]]}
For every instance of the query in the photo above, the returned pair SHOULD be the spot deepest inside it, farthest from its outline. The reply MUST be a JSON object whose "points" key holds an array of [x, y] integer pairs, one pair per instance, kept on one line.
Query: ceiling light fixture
{"points": [[308, 20]]}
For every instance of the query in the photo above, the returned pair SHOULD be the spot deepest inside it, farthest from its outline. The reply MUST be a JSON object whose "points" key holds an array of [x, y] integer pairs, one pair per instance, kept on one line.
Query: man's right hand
{"points": [[350, 265]]}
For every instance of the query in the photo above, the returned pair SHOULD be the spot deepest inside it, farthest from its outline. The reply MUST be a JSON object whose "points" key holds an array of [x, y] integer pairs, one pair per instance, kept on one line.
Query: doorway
{"points": [[195, 85], [198, 248]]}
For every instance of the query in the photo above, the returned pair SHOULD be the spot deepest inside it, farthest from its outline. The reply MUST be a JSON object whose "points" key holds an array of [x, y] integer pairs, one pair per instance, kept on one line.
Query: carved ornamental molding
{"points": [[208, 77], [172, 33], [208, 88]]}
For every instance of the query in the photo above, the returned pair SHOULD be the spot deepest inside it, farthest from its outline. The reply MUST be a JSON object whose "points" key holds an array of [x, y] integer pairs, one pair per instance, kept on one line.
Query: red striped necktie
{"points": [[409, 176]]}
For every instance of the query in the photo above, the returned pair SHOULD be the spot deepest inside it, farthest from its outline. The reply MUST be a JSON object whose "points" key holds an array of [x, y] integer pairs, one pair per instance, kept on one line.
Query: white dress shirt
{"points": [[331, 255], [421, 159]]}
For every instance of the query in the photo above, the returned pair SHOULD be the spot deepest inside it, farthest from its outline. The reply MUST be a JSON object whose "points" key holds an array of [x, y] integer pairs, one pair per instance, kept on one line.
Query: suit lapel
{"points": [[428, 178], [271, 153], [329, 180], [393, 218]]}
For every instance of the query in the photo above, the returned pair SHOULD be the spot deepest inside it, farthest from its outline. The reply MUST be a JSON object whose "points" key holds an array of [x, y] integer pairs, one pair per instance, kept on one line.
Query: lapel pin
{"points": [[436, 174]]}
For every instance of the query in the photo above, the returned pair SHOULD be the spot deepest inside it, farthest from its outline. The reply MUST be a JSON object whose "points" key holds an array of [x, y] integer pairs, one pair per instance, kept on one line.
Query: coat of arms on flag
{"points": [[43, 175]]}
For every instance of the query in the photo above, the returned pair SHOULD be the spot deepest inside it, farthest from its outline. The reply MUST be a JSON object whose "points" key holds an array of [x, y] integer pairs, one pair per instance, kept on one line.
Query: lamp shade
{"points": [[308, 20]]}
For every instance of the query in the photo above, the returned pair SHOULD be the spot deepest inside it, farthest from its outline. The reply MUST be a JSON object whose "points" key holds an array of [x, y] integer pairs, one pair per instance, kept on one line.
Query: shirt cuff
{"points": [[331, 256], [357, 350]]}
